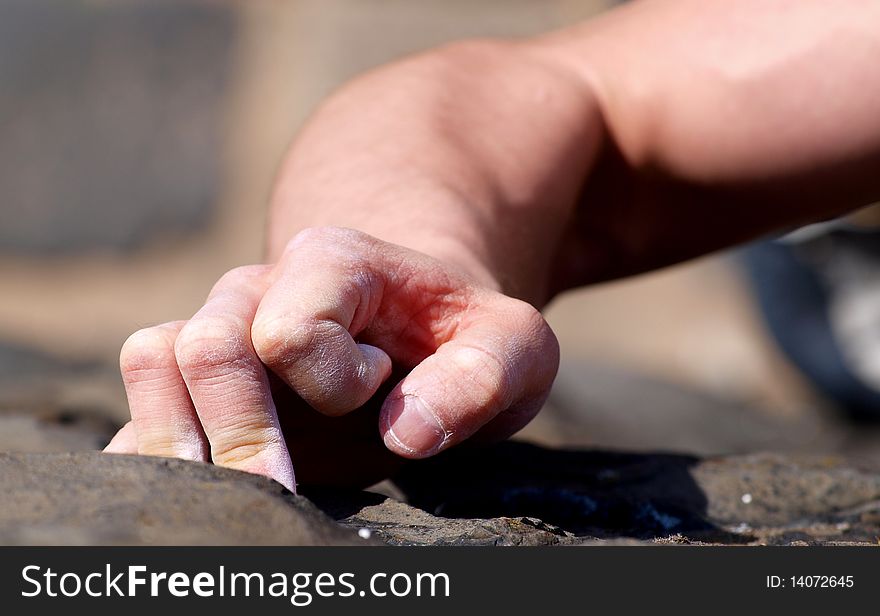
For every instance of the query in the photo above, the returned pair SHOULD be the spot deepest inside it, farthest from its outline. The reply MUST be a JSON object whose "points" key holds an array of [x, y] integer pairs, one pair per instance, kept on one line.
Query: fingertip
{"points": [[279, 465], [411, 429], [124, 442], [288, 480], [280, 468], [376, 366]]}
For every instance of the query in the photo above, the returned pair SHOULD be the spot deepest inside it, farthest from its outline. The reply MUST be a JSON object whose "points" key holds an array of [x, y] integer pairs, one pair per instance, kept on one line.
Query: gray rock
{"points": [[590, 495], [510, 494], [93, 498], [398, 523], [823, 497]]}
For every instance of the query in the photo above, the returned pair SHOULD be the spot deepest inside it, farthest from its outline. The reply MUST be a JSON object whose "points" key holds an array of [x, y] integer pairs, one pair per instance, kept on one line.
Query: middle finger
{"points": [[228, 383]]}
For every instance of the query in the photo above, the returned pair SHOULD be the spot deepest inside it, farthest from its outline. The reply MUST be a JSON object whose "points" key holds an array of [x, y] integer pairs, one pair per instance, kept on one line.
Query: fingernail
{"points": [[413, 428]]}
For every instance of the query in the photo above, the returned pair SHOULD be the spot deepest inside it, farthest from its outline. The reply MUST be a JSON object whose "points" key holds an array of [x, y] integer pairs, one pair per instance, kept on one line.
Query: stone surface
{"points": [[517, 493], [398, 523], [93, 498], [510, 494]]}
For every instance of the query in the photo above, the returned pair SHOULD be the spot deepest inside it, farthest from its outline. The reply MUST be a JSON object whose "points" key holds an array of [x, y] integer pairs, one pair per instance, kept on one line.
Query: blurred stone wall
{"points": [[111, 122]]}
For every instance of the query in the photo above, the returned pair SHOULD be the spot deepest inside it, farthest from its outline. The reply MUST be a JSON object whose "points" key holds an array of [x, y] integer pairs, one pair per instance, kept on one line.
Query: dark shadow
{"points": [[585, 492]]}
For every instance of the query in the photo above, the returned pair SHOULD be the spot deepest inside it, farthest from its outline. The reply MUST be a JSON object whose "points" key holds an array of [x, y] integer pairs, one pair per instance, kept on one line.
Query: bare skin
{"points": [[430, 209]]}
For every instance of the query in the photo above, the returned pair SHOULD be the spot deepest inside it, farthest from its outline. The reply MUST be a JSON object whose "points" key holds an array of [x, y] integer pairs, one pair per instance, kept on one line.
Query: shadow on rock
{"points": [[583, 492]]}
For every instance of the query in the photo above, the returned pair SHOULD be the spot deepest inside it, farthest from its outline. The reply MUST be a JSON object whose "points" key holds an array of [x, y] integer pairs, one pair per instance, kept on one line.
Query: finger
{"points": [[162, 413], [499, 365], [125, 441], [325, 295], [228, 384]]}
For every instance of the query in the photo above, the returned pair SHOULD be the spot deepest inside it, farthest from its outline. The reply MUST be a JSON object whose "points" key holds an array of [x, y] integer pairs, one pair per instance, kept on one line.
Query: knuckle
{"points": [[147, 349], [312, 235], [527, 316], [206, 345], [282, 341], [535, 328], [547, 345], [327, 237], [538, 347]]}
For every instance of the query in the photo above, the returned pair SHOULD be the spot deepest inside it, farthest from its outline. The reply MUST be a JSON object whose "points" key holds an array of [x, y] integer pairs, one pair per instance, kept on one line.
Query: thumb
{"points": [[498, 367]]}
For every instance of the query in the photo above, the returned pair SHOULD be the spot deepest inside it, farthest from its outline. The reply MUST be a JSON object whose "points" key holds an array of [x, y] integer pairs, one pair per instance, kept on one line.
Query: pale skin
{"points": [[432, 207]]}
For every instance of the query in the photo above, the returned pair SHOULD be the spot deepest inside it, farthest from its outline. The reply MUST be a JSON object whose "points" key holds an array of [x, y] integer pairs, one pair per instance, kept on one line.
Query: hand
{"points": [[286, 361]]}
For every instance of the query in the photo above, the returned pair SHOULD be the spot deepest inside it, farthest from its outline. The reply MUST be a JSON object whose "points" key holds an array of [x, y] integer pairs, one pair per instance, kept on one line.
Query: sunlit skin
{"points": [[431, 208]]}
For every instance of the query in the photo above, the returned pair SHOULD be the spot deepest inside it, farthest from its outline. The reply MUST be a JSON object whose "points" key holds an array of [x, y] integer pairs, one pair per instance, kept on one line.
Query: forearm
{"points": [[474, 154], [659, 132], [726, 120]]}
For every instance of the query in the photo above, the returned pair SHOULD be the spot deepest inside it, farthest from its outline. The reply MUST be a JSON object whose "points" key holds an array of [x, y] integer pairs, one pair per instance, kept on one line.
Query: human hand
{"points": [[286, 361]]}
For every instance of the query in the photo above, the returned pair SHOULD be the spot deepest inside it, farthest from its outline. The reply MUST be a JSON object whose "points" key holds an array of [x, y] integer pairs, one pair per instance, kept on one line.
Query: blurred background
{"points": [[138, 145]]}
